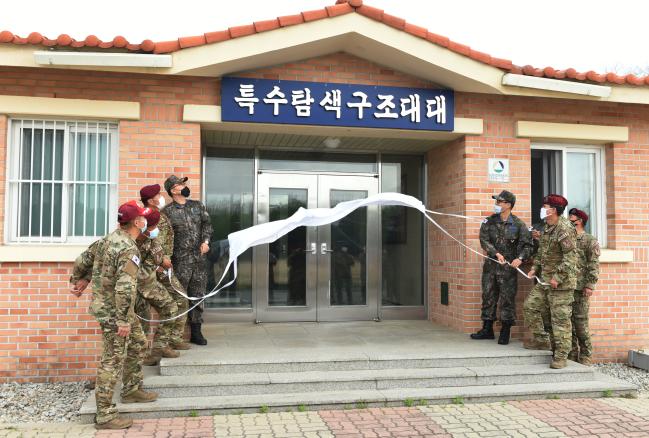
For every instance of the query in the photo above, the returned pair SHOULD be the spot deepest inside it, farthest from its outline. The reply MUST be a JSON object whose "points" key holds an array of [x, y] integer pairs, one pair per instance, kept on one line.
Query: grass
{"points": [[361, 404], [193, 413], [301, 408], [422, 402], [347, 407], [409, 402], [263, 409], [458, 400], [607, 393], [552, 397]]}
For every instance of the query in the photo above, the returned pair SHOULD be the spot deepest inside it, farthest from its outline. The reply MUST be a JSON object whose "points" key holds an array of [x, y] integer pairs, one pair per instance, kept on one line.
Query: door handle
{"points": [[312, 250], [324, 250]]}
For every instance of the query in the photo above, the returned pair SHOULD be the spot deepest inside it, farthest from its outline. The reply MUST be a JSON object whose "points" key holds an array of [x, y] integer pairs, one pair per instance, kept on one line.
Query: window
{"points": [[576, 172], [62, 181], [229, 198]]}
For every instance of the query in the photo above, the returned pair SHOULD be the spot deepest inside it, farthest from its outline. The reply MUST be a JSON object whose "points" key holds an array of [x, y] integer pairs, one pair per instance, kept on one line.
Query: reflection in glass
{"points": [[229, 184], [582, 185], [402, 234], [286, 255], [348, 259]]}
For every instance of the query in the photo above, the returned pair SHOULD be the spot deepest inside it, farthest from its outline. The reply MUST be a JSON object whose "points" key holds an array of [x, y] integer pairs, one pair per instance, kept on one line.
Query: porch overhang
{"points": [[209, 117]]}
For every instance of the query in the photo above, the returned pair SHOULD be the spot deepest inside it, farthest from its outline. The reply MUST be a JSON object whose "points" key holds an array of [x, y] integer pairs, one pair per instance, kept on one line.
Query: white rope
{"points": [[242, 240]]}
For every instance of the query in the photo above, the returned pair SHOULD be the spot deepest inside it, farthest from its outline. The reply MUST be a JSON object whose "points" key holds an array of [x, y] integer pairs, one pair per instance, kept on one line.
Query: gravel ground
{"points": [[630, 374], [41, 402]]}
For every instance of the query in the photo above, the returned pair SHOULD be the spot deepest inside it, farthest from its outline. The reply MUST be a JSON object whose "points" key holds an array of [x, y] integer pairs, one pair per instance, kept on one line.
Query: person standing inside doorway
{"points": [[506, 238], [192, 233]]}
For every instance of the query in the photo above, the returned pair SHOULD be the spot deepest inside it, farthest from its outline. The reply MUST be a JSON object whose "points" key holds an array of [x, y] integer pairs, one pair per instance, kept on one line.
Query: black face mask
{"points": [[185, 192]]}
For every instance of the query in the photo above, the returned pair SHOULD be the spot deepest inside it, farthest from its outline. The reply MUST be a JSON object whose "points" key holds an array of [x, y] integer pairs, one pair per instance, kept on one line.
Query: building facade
{"points": [[85, 124]]}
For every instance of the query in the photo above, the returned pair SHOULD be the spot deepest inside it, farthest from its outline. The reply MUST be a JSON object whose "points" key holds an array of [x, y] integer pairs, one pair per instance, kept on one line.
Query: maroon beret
{"points": [[580, 214], [555, 201], [148, 192], [129, 211], [152, 217]]}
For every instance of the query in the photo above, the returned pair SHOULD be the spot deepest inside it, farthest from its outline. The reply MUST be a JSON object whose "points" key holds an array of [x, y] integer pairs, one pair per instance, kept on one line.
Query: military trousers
{"points": [[499, 286], [193, 278], [120, 355], [548, 315], [159, 298], [143, 309], [581, 345], [182, 304]]}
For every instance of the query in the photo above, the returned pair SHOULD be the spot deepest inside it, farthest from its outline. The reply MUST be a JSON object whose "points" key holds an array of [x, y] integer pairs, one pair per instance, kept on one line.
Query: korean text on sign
{"points": [[294, 102]]}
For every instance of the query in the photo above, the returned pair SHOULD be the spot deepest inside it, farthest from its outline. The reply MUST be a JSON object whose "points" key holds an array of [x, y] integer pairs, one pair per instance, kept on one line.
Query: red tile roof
{"points": [[340, 8]]}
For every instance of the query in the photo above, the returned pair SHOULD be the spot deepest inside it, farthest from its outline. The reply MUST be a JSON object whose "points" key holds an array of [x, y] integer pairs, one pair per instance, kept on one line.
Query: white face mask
{"points": [[498, 209], [161, 202], [544, 213], [154, 233]]}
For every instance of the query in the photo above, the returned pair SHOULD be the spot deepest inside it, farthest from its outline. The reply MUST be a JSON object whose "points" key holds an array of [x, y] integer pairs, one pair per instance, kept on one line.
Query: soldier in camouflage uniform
{"points": [[587, 276], [114, 282], [550, 304], [152, 198], [192, 232], [154, 293], [150, 293], [504, 237]]}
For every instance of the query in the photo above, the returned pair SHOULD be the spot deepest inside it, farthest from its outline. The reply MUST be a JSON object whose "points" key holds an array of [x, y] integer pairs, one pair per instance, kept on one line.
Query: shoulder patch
{"points": [[135, 259], [131, 268], [484, 221], [566, 243]]}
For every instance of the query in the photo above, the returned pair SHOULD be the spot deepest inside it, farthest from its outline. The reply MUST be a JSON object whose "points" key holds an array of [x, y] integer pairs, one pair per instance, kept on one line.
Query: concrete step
{"points": [[182, 406], [191, 363], [206, 385]]}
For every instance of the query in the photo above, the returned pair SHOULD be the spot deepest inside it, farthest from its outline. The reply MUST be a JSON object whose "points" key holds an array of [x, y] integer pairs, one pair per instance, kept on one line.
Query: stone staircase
{"points": [[449, 368]]}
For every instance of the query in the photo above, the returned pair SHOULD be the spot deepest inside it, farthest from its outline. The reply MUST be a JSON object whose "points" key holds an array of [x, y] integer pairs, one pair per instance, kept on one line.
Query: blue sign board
{"points": [[318, 103]]}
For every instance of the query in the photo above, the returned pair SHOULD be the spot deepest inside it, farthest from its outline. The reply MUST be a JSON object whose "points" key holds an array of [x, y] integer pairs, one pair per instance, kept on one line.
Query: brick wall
{"points": [[620, 306], [45, 333]]}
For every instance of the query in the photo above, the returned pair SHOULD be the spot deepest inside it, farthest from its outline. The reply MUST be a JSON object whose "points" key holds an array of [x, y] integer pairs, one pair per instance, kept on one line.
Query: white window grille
{"points": [[62, 181], [576, 172]]}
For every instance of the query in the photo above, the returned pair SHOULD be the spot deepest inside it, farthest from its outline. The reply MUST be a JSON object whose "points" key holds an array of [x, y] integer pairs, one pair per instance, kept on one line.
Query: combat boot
{"points": [[535, 344], [169, 352], [503, 338], [152, 360], [140, 396], [487, 331], [572, 356], [585, 360], [180, 345], [559, 363], [115, 423], [197, 337]]}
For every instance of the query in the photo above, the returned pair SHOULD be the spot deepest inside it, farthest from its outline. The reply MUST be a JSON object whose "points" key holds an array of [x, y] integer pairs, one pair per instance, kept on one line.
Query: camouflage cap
{"points": [[172, 181], [505, 196]]}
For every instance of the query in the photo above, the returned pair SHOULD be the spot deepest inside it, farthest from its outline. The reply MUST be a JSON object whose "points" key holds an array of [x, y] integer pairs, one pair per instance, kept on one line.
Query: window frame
{"points": [[600, 180], [13, 180]]}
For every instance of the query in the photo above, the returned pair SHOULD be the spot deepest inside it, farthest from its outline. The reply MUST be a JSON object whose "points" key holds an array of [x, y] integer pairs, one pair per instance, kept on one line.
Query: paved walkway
{"points": [[601, 418]]}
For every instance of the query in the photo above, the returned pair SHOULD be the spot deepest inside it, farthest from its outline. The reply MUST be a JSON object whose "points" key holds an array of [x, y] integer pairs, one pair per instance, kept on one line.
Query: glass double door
{"points": [[325, 273]]}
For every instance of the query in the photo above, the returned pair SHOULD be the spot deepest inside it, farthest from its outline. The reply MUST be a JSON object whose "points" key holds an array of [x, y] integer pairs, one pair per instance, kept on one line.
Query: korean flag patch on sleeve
{"points": [[135, 259]]}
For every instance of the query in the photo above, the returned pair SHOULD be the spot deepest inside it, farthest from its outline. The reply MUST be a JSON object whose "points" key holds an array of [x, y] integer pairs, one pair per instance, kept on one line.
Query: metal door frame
{"points": [[318, 265], [369, 310], [265, 312]]}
